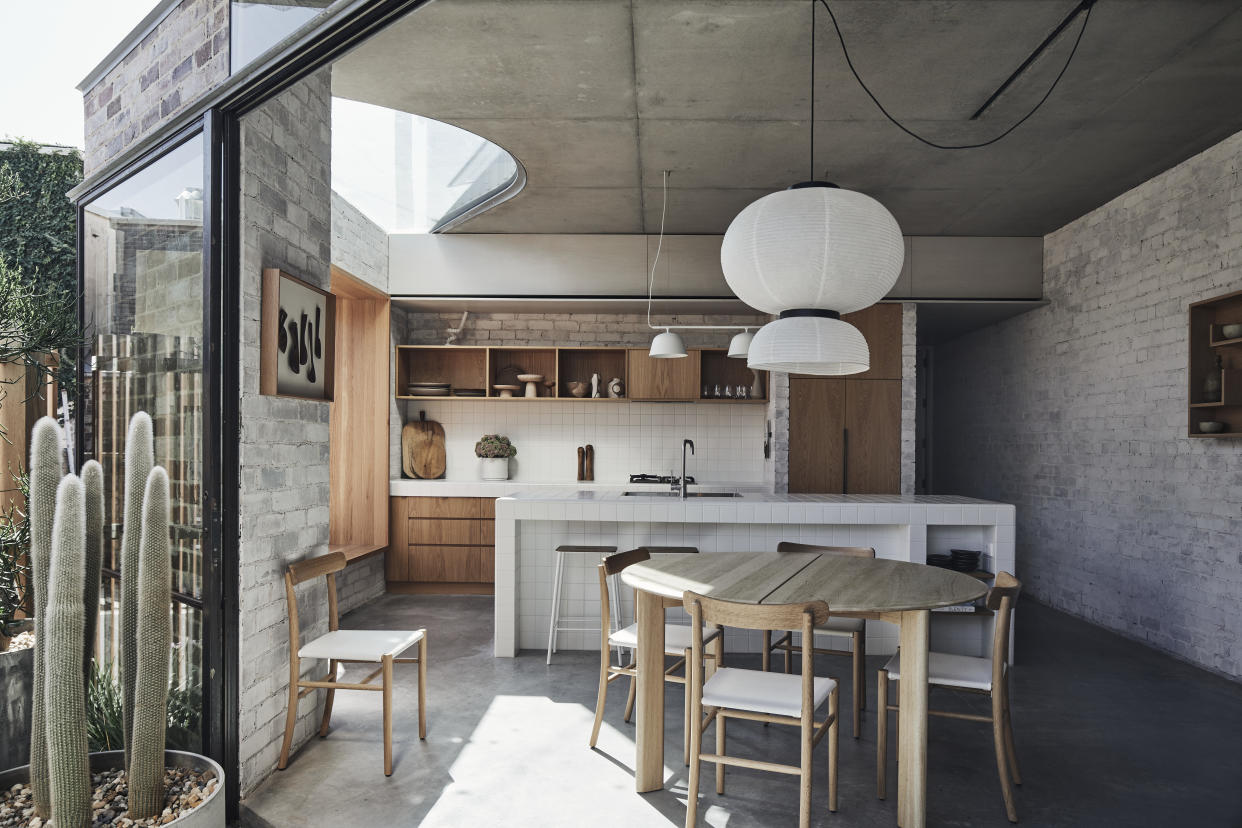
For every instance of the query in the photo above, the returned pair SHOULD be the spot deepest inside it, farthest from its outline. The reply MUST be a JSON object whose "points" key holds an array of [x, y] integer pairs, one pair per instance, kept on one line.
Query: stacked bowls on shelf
{"points": [[428, 389]]}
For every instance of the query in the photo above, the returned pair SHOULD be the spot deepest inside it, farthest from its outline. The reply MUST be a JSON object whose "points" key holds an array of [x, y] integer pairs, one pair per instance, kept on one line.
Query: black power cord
{"points": [[1084, 7]]}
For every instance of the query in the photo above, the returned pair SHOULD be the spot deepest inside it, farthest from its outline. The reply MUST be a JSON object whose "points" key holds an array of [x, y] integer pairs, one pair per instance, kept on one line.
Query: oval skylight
{"points": [[411, 174]]}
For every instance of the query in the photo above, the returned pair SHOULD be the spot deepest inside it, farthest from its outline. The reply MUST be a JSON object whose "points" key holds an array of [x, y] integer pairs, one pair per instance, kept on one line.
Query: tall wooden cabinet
{"points": [[845, 433]]}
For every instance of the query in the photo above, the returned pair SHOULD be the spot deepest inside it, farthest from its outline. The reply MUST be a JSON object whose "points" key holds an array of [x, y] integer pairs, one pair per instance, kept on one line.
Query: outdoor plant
{"points": [[63, 550], [105, 725], [495, 446], [14, 571]]}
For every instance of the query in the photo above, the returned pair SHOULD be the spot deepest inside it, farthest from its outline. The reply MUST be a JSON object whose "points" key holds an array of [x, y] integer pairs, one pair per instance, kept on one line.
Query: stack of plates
{"points": [[428, 389], [468, 392], [943, 561], [964, 560]]}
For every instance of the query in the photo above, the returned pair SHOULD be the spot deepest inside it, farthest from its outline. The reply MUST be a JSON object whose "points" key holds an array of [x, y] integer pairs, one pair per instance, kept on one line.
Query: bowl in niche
{"points": [[1231, 331], [1211, 427], [579, 389]]}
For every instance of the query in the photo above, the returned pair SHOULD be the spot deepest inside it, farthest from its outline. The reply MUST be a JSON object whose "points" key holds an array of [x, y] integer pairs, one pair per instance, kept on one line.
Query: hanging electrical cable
{"points": [[1083, 8]]}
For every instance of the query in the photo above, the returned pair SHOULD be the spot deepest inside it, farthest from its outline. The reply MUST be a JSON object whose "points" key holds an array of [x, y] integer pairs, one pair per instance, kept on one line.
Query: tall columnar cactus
{"points": [[92, 480], [139, 458], [146, 750], [64, 690], [45, 475]]}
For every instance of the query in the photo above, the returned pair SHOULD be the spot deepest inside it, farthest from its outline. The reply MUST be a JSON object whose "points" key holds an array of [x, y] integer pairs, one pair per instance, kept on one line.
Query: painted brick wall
{"points": [[186, 55], [1076, 413], [286, 220]]}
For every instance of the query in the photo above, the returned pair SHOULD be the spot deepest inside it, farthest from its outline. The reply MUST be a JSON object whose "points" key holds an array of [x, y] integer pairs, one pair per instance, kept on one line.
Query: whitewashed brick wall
{"points": [[286, 220], [1076, 413]]}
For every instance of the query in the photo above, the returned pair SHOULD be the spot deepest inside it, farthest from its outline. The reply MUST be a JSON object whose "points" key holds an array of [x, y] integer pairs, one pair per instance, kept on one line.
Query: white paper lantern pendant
{"points": [[809, 254]]}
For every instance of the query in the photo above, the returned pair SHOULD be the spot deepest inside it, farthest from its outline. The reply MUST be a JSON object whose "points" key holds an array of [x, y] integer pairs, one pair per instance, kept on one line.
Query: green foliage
{"points": [[106, 726], [14, 546], [38, 223], [36, 322], [495, 445]]}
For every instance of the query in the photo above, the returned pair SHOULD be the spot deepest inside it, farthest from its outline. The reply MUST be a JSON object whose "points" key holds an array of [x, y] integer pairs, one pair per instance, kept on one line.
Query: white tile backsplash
{"points": [[628, 437]]}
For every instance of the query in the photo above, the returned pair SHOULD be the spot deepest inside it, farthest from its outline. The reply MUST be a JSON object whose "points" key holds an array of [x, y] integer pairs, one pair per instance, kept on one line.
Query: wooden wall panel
{"points": [[816, 425], [873, 417]]}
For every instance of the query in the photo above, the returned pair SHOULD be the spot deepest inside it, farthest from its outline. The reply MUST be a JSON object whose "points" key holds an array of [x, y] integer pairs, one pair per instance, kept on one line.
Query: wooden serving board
{"points": [[422, 450]]}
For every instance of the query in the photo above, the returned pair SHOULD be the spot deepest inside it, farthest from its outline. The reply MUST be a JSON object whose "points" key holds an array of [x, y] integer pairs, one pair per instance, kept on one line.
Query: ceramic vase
{"points": [[494, 468]]}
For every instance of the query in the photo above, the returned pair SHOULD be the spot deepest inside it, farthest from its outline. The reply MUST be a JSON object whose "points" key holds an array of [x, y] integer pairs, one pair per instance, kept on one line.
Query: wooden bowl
{"points": [[579, 389]]}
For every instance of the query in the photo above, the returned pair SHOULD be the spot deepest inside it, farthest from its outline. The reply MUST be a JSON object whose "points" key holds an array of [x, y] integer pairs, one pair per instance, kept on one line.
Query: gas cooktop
{"points": [[658, 478]]}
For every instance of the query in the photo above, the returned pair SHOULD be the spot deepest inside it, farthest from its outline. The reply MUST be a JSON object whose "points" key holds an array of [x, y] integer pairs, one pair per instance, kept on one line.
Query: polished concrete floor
{"points": [[1108, 733]]}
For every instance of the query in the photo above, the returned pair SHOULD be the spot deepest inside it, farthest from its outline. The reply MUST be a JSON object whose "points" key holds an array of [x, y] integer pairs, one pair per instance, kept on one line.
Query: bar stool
{"points": [[558, 578]]}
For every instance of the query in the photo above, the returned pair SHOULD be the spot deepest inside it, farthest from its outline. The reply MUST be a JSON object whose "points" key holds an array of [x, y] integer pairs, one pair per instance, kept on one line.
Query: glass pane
{"points": [[256, 27], [410, 174], [143, 263]]}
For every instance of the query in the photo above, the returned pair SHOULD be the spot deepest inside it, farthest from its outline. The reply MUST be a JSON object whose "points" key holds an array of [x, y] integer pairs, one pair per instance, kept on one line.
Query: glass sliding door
{"points": [[142, 261]]}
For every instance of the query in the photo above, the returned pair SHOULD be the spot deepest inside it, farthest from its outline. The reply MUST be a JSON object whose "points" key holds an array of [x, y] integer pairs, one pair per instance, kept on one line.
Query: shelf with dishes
{"points": [[1214, 392], [577, 374]]}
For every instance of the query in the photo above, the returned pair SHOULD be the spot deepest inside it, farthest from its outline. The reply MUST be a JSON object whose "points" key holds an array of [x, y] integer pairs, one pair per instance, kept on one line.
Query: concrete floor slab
{"points": [[1108, 733]]}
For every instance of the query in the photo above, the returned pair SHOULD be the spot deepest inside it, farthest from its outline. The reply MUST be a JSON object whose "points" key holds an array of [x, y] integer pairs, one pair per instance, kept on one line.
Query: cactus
{"points": [[92, 480], [139, 458], [150, 718], [45, 475], [64, 688]]}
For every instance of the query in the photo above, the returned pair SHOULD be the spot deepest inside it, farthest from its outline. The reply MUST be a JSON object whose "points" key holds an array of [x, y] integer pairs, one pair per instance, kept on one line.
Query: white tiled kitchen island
{"points": [[530, 525]]}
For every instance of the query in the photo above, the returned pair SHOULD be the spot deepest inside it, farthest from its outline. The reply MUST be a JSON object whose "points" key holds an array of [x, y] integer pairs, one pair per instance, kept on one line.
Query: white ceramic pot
{"points": [[494, 468]]}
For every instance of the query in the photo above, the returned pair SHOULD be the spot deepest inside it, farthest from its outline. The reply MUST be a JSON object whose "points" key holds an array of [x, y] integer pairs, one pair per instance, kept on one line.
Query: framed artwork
{"points": [[298, 339]]}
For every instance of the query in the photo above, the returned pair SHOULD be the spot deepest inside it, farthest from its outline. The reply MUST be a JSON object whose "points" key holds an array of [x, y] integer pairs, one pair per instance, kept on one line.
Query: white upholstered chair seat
{"points": [[777, 693], [361, 645], [950, 670], [677, 638]]}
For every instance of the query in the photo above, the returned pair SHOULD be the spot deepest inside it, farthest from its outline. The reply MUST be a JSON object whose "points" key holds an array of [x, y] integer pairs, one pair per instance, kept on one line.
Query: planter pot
{"points": [[210, 814], [495, 468], [16, 690]]}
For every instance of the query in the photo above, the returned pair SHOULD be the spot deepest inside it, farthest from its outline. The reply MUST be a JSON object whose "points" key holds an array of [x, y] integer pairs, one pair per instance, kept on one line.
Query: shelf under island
{"points": [[530, 525]]}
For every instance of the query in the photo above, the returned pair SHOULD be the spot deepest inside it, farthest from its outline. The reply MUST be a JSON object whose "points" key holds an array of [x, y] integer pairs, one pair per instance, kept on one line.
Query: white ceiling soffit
{"points": [[597, 97]]}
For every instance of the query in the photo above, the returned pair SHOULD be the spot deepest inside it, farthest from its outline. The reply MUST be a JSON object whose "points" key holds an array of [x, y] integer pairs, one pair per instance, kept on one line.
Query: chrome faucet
{"points": [[685, 484]]}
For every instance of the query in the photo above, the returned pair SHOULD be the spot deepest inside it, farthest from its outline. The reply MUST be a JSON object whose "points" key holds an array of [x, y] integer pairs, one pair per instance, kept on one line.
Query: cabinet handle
{"points": [[845, 461]]}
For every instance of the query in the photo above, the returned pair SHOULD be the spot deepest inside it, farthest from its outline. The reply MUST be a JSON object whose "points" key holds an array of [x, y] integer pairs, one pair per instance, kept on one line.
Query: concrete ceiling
{"points": [[597, 97]]}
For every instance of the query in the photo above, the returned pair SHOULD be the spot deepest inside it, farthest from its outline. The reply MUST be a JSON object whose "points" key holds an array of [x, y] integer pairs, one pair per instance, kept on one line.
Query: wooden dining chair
{"points": [[970, 674], [837, 626], [677, 641], [756, 695], [346, 647]]}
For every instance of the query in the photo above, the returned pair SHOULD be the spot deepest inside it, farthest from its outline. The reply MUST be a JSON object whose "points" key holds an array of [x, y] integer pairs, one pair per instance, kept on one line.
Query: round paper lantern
{"points": [[815, 247], [809, 345]]}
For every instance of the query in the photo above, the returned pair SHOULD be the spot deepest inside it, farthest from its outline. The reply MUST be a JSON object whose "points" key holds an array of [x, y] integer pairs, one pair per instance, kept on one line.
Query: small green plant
{"points": [[495, 446], [105, 723], [14, 558]]}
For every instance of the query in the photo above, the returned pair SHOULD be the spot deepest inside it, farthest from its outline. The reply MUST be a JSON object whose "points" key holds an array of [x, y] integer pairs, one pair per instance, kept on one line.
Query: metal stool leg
{"points": [[556, 603]]}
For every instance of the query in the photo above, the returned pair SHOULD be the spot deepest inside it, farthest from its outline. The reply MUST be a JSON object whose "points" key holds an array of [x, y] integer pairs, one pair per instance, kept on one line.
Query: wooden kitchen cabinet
{"points": [[663, 379], [844, 436], [441, 545], [880, 325]]}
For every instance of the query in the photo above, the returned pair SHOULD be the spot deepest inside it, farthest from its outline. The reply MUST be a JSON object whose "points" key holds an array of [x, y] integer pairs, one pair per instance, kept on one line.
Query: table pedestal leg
{"points": [[912, 721], [649, 727]]}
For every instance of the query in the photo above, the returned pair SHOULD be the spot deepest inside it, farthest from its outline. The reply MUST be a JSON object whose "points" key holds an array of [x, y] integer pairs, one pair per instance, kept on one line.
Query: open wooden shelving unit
{"points": [[1208, 345], [645, 379]]}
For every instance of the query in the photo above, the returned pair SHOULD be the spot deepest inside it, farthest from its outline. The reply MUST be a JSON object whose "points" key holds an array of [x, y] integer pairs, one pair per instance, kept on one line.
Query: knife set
{"points": [[586, 462]]}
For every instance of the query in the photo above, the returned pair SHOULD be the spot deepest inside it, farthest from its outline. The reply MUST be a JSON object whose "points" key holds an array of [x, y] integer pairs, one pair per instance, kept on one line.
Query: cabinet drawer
{"points": [[462, 532], [451, 507], [454, 564]]}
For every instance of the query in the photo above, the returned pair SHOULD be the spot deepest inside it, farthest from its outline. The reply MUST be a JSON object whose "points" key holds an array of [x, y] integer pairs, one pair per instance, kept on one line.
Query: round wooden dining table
{"points": [[894, 591]]}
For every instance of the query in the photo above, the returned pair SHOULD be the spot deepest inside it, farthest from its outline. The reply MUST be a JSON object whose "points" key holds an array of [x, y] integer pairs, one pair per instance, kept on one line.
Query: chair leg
{"points": [[422, 687], [788, 652], [629, 702], [881, 734], [291, 717], [387, 715], [696, 750], [327, 704], [1002, 760], [860, 692], [601, 695], [720, 751], [767, 650], [685, 739], [1009, 748], [804, 788], [834, 745]]}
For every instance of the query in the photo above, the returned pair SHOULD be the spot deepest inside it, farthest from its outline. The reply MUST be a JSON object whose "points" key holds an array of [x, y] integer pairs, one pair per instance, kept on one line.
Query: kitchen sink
{"points": [[678, 494]]}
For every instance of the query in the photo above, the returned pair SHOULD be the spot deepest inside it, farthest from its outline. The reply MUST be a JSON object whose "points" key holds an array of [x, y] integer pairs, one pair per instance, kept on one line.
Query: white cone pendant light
{"points": [[810, 254], [667, 345]]}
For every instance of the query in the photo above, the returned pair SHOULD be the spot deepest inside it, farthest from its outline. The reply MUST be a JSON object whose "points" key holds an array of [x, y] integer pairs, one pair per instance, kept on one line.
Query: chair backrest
{"points": [[1001, 599], [844, 551], [323, 565], [612, 565], [802, 617]]}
